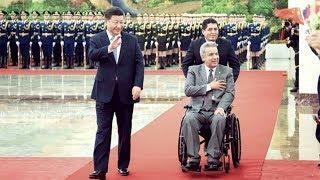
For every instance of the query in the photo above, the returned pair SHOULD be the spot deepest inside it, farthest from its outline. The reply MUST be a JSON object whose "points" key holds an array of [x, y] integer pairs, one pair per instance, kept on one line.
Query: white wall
{"points": [[309, 63]]}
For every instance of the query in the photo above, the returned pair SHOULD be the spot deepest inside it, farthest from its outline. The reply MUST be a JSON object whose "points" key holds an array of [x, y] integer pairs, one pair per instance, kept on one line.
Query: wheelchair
{"points": [[232, 138]]}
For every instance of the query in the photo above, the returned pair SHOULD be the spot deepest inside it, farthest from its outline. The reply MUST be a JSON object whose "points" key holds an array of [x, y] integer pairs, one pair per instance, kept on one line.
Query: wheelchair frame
{"points": [[232, 138]]}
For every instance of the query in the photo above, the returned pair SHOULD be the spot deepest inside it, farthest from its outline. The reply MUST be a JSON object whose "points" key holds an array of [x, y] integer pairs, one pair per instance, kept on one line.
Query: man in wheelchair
{"points": [[211, 88]]}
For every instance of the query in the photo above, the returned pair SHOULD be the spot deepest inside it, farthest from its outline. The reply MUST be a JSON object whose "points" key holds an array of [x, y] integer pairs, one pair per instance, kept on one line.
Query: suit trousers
{"points": [[105, 113], [191, 125]]}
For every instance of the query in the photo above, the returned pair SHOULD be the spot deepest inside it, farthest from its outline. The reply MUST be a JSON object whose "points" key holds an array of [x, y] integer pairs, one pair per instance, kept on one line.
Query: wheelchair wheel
{"points": [[235, 141], [182, 150]]}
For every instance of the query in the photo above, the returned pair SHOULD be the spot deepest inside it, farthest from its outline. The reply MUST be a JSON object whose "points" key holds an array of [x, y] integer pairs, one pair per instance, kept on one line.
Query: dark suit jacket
{"points": [[226, 56], [127, 73]]}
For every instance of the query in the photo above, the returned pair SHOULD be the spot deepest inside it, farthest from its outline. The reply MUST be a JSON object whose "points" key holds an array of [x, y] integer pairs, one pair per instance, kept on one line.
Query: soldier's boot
{"points": [[153, 58], [5, 61], [160, 60], [68, 62], [77, 61], [149, 60], [146, 61], [176, 57], [168, 60], [43, 64], [1, 62], [49, 62], [71, 62], [164, 62], [254, 63]]}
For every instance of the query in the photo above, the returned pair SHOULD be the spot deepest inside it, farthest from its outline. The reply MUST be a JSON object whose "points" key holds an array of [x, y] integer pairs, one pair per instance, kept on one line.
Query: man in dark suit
{"points": [[210, 30], [118, 84]]}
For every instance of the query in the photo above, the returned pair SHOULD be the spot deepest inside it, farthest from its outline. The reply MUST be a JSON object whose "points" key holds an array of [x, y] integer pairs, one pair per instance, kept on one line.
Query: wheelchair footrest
{"points": [[213, 167], [193, 169]]}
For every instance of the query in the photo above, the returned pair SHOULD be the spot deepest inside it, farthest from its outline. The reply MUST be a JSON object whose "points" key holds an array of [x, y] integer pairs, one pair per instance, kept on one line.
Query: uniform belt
{"points": [[68, 34], [90, 35], [3, 34], [47, 34], [185, 34], [23, 34], [231, 34], [162, 34], [255, 34], [139, 33]]}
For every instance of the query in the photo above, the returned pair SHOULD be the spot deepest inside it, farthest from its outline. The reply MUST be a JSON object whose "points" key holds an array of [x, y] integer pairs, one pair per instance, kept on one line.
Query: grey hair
{"points": [[206, 45]]}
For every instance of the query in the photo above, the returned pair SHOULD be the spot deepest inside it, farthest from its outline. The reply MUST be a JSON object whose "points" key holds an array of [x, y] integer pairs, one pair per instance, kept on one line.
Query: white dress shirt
{"points": [[118, 48], [207, 75]]}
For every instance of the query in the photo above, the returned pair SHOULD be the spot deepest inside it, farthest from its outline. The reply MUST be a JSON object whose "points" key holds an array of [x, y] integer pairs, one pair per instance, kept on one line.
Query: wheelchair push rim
{"points": [[235, 141]]}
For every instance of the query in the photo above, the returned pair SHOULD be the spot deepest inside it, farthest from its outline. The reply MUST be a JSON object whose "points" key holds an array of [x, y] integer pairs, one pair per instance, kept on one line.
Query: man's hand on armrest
{"points": [[219, 111]]}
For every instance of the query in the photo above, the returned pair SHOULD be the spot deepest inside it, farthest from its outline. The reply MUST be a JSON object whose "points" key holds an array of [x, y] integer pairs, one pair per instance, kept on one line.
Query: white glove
{"points": [[167, 45], [62, 43], [238, 44], [179, 43], [75, 44], [84, 43], [30, 43], [17, 43], [53, 44], [156, 43], [40, 43]]}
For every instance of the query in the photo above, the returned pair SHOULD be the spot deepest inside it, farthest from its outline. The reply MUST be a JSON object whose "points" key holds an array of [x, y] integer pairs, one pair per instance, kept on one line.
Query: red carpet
{"points": [[27, 168], [76, 72], [285, 169], [154, 148]]}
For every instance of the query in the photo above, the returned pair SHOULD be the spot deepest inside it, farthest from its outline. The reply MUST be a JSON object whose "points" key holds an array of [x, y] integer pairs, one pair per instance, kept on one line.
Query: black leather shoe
{"points": [[123, 171], [295, 89], [213, 166], [193, 166], [98, 175]]}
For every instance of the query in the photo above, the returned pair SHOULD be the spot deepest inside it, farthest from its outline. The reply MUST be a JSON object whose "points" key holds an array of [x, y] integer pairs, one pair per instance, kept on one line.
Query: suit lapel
{"points": [[217, 73], [203, 75], [123, 46], [106, 42]]}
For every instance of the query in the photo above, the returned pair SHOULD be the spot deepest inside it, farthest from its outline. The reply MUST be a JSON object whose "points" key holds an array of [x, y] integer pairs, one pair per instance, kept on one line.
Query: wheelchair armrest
{"points": [[229, 109]]}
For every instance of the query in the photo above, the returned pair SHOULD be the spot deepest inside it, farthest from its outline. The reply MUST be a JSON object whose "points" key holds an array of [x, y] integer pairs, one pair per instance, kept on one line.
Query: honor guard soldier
{"points": [[13, 38], [79, 38], [185, 35], [24, 35], [149, 39], [175, 51], [3, 39], [162, 43], [129, 24], [154, 50], [35, 38], [100, 22], [232, 35], [57, 56], [89, 26], [139, 32], [68, 42], [169, 40], [254, 44], [46, 40]]}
